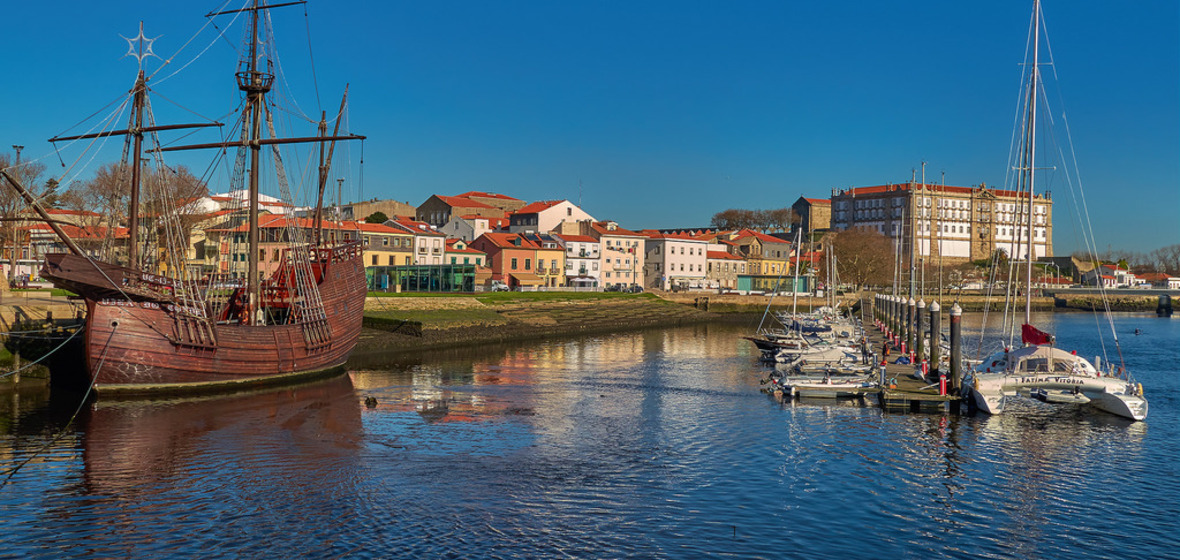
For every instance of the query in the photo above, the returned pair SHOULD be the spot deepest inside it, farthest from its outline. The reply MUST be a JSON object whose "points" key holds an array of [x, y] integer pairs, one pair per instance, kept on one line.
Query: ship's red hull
{"points": [[131, 348]]}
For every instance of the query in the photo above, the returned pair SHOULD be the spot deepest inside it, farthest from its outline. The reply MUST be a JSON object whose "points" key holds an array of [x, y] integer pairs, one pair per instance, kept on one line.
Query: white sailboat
{"points": [[1039, 369]]}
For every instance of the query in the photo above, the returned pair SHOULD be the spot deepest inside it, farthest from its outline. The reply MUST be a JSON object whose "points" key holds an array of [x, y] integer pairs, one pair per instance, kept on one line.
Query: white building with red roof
{"points": [[675, 261], [622, 257], [429, 244], [1110, 276], [583, 260], [947, 222], [546, 216]]}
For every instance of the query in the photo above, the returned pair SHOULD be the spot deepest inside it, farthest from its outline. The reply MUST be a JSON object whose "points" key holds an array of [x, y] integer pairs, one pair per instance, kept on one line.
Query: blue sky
{"points": [[665, 112]]}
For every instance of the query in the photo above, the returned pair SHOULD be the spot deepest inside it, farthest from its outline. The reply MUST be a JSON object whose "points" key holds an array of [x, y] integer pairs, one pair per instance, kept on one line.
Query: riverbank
{"points": [[409, 323]]}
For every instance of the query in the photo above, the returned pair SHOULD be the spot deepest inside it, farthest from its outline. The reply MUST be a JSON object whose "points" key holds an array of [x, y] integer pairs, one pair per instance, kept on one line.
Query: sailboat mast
{"points": [[1032, 152]]}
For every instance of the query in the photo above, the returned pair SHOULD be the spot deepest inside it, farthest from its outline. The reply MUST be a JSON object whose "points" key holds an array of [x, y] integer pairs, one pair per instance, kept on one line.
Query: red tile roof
{"points": [[862, 191], [653, 234], [577, 238], [818, 200], [538, 206], [463, 202], [600, 227], [81, 232], [374, 228], [759, 236], [722, 255], [418, 228], [507, 241], [486, 195]]}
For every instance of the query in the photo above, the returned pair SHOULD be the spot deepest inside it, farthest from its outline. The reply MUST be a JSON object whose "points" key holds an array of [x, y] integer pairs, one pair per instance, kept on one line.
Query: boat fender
{"points": [[370, 402], [975, 383], [1139, 389]]}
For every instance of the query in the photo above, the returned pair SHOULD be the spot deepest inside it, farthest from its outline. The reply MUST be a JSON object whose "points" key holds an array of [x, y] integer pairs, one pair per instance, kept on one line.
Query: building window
{"points": [[513, 264], [374, 260], [528, 264]]}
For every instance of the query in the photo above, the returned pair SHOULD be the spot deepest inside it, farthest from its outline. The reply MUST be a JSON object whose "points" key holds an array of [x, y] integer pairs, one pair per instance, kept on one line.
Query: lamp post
{"points": [[15, 242], [1056, 273]]}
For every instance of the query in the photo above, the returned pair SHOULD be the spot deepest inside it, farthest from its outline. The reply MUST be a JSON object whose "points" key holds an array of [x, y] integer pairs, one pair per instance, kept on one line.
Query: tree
{"points": [[1167, 259], [13, 204], [376, 218], [781, 219], [863, 257], [102, 203], [735, 218]]}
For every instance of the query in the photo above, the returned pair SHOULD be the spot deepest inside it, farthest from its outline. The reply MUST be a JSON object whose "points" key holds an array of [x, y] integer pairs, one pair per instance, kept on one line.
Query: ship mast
{"points": [[137, 150], [140, 49], [326, 165], [256, 84]]}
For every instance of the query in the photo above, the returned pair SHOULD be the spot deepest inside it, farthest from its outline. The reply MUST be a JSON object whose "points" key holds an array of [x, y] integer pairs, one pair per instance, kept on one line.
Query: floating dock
{"points": [[903, 391]]}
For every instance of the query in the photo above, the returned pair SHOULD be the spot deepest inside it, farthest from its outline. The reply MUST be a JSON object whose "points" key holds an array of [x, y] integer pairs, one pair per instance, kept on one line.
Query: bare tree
{"points": [[735, 218], [102, 203], [12, 205], [863, 257], [1167, 259], [781, 218]]}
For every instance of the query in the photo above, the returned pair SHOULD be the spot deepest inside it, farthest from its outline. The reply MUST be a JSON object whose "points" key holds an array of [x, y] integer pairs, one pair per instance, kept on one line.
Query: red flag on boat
{"points": [[1031, 335]]}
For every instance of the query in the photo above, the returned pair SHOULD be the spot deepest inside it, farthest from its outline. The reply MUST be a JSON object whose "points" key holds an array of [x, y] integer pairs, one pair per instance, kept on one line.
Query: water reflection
{"points": [[654, 444], [129, 445]]}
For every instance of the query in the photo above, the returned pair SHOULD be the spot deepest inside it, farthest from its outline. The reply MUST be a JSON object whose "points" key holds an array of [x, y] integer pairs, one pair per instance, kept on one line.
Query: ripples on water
{"points": [[648, 445]]}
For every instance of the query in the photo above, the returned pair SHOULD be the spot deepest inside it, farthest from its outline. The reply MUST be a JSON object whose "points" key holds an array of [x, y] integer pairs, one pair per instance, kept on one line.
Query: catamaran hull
{"points": [[1108, 394]]}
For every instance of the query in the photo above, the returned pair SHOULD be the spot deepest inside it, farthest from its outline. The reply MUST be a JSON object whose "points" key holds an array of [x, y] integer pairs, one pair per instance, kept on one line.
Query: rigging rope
{"points": [[85, 397], [47, 354]]}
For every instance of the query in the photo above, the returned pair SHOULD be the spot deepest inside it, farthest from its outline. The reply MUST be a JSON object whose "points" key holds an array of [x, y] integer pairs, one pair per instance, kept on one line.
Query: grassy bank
{"points": [[417, 322]]}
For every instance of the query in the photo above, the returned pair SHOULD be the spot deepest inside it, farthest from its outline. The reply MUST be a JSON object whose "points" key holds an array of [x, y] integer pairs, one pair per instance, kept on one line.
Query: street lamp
{"points": [[15, 243], [1056, 274]]}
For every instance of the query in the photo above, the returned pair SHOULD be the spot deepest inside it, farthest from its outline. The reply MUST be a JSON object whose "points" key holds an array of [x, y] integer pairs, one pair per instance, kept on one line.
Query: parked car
{"points": [[634, 289], [498, 286], [613, 288]]}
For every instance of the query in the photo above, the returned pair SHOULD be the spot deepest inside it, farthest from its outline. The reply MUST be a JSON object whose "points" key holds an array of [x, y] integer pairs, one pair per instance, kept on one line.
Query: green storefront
{"points": [[421, 278], [772, 284]]}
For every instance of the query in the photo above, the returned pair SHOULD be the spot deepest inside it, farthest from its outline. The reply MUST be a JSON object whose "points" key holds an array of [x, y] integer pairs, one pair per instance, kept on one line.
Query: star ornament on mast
{"points": [[140, 47]]}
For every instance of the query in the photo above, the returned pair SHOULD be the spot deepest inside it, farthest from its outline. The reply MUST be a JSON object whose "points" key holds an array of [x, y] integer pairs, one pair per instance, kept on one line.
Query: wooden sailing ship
{"points": [[150, 332]]}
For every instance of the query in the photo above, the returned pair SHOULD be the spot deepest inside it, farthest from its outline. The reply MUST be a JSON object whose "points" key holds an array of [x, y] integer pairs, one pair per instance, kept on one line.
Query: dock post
{"points": [[920, 341], [911, 327], [956, 347], [903, 330], [892, 317], [935, 338]]}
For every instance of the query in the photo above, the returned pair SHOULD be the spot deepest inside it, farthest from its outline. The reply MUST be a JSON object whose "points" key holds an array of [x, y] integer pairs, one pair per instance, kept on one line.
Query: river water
{"points": [[654, 444]]}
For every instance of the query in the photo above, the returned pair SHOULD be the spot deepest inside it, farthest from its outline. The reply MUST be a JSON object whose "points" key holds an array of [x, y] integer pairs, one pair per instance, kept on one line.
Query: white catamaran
{"points": [[1039, 369]]}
